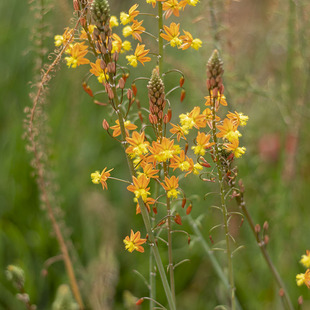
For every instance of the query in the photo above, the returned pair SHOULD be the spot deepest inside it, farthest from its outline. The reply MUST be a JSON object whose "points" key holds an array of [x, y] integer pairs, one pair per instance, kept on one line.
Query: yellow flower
{"points": [[96, 69], [238, 118], [184, 163], [139, 187], [228, 131], [234, 147], [153, 2], [305, 259], [303, 278], [189, 2], [83, 35], [188, 41], [192, 119], [139, 55], [197, 168], [138, 145], [172, 34], [162, 151], [113, 21], [102, 177], [135, 30], [126, 46], [127, 18], [179, 131], [134, 242], [171, 185], [148, 171], [78, 51], [300, 279], [203, 143], [172, 7], [63, 39], [117, 129]]}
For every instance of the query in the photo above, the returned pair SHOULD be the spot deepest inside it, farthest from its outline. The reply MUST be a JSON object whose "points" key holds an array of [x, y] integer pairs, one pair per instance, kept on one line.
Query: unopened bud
{"points": [[169, 113], [189, 209], [140, 116], [105, 124], [257, 228], [182, 80], [76, 5], [83, 21], [166, 119], [300, 300], [87, 89], [121, 83], [129, 94], [178, 219], [266, 225], [134, 89], [186, 148], [139, 302], [266, 239], [183, 202], [183, 93], [281, 292]]}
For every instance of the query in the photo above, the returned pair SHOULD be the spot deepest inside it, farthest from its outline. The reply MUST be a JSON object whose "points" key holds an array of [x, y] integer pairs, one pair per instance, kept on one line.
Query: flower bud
{"points": [[182, 80], [105, 124], [183, 202], [121, 83], [100, 12], [134, 89], [139, 302], [178, 219], [189, 209], [183, 93], [215, 72]]}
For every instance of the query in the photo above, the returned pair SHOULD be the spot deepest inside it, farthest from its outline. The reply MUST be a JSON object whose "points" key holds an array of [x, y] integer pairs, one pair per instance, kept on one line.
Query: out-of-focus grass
{"points": [[256, 81]]}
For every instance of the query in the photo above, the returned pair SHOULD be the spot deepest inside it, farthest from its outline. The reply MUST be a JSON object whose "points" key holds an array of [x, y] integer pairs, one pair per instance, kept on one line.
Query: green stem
{"points": [[263, 249], [144, 212], [170, 256], [217, 267], [160, 39], [223, 207]]}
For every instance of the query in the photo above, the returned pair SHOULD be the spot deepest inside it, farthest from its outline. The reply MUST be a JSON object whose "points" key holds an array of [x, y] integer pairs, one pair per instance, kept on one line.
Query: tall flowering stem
{"points": [[215, 86], [160, 39]]}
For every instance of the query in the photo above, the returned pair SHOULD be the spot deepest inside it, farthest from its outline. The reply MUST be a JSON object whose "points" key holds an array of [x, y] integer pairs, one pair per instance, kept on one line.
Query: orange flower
{"points": [[228, 131], [188, 41], [162, 151], [177, 129], [134, 242], [83, 35], [77, 52], [63, 39], [203, 143], [172, 34], [234, 147], [209, 116], [172, 7], [148, 170], [102, 177], [182, 162], [238, 118], [139, 187], [117, 129], [171, 186], [139, 55], [96, 69], [219, 99], [138, 145], [135, 30], [127, 18], [192, 119]]}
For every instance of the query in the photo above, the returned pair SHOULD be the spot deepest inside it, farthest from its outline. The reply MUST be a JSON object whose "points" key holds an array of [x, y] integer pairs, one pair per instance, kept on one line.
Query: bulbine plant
{"points": [[162, 149]]}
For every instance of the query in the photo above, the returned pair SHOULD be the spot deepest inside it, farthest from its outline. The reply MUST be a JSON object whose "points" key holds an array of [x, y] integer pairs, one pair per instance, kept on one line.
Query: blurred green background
{"points": [[265, 48]]}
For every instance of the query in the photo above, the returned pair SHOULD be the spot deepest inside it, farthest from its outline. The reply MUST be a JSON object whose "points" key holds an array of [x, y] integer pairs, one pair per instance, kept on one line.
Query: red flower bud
{"points": [[140, 301], [76, 5], [182, 95], [140, 116], [88, 90], [182, 80], [189, 209], [121, 83], [134, 89], [183, 202], [178, 219]]}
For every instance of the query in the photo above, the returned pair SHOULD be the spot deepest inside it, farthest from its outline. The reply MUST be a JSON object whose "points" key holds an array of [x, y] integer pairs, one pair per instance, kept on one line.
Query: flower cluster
{"points": [[304, 278]]}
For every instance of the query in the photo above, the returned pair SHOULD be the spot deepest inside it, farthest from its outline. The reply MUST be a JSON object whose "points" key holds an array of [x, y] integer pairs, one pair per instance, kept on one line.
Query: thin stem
{"points": [[160, 39], [223, 207], [170, 256], [263, 249], [41, 179], [217, 267], [144, 212]]}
